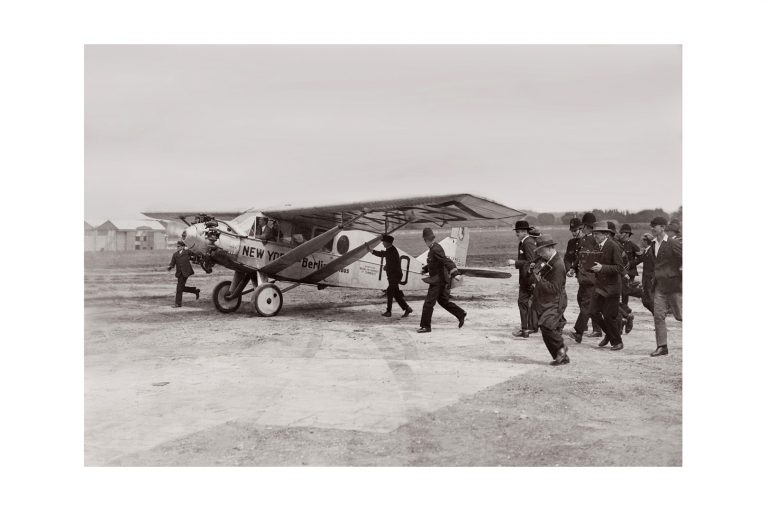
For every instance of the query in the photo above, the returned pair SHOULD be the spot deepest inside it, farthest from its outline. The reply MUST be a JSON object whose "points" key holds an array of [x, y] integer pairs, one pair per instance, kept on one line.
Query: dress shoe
{"points": [[566, 360], [176, 306], [630, 323], [575, 336], [660, 351], [522, 333], [423, 330], [387, 313], [197, 293], [407, 312], [619, 346], [595, 334], [560, 356], [461, 320], [604, 342]]}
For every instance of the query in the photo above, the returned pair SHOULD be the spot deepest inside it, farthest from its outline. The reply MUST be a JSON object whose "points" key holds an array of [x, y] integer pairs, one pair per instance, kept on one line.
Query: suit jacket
{"points": [[587, 244], [549, 297], [526, 253], [570, 260], [667, 265], [180, 260], [394, 272], [438, 264], [631, 249], [608, 280]]}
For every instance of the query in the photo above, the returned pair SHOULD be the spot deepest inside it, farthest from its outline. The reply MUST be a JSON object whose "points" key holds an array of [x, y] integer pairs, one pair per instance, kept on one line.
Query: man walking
{"points": [[632, 253], [646, 242], [586, 280], [608, 271], [440, 269], [667, 254], [526, 253], [180, 260], [394, 276], [549, 298]]}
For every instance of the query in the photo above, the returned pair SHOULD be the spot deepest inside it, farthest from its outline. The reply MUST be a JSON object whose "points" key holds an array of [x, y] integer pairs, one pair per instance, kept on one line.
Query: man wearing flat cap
{"points": [[526, 253], [394, 276], [180, 260], [587, 248], [441, 270], [667, 255], [631, 258], [549, 298], [608, 269]]}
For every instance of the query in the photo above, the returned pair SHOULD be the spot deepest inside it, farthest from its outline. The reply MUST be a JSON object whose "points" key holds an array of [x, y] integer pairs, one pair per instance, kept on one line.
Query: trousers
{"points": [[604, 312], [524, 299], [394, 292], [664, 303], [584, 298], [438, 293], [181, 287]]}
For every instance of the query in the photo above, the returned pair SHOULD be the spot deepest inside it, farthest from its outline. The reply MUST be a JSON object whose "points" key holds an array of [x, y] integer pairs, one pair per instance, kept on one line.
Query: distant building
{"points": [[125, 235]]}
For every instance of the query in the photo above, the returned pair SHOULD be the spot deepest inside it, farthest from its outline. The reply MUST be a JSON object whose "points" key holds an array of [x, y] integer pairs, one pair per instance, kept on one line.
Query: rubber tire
{"points": [[222, 307], [267, 300]]}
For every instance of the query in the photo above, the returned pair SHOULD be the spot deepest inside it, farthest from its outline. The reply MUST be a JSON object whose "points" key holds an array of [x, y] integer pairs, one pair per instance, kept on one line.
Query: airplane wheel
{"points": [[221, 303], [267, 300]]}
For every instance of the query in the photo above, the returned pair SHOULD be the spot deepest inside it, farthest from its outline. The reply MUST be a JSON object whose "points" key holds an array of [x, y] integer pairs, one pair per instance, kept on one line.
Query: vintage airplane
{"points": [[328, 245]]}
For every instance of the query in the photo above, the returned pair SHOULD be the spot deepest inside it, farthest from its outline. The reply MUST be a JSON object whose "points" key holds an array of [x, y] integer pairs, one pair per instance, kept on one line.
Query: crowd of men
{"points": [[605, 264]]}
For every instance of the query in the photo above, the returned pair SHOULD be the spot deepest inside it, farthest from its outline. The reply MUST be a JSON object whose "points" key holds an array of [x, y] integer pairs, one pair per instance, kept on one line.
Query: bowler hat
{"points": [[588, 219], [626, 228], [604, 226], [181, 244], [545, 241], [522, 224], [574, 223], [388, 238], [658, 221], [427, 233]]}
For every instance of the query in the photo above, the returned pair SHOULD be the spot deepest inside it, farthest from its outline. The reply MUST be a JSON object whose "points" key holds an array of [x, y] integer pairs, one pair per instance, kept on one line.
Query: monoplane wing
{"points": [[385, 216], [341, 262]]}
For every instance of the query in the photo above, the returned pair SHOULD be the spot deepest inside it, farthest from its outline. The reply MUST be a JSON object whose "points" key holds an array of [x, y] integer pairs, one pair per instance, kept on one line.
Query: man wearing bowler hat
{"points": [[549, 298], [440, 269], [586, 280], [180, 260], [608, 269], [667, 255], [394, 276], [526, 253]]}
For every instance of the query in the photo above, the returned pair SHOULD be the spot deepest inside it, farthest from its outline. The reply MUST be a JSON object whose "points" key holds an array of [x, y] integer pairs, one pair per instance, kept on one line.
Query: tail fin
{"points": [[455, 246]]}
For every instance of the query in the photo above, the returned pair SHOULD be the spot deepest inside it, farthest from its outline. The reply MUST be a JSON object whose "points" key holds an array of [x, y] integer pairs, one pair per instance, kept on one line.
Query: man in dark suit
{"points": [[646, 241], [440, 269], [586, 280], [549, 298], [394, 275], [608, 270], [632, 253], [180, 260], [526, 253], [667, 254]]}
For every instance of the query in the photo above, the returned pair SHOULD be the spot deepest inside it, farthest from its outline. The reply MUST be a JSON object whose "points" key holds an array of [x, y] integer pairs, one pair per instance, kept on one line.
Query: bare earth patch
{"points": [[330, 382]]}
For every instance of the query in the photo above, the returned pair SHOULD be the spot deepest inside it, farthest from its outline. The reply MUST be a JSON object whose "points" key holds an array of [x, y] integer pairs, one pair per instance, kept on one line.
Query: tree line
{"points": [[623, 216]]}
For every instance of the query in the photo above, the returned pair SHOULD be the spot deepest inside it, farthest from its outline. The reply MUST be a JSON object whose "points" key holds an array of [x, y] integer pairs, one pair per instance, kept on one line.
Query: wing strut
{"points": [[340, 262]]}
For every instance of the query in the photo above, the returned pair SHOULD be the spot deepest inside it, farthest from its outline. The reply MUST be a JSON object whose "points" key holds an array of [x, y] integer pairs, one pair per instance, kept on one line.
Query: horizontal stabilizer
{"points": [[482, 272]]}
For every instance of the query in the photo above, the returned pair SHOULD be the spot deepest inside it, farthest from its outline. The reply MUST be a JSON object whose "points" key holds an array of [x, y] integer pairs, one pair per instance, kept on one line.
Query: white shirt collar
{"points": [[523, 240], [657, 244]]}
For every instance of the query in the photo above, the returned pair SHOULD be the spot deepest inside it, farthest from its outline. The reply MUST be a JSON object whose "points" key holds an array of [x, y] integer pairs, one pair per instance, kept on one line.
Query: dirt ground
{"points": [[329, 382]]}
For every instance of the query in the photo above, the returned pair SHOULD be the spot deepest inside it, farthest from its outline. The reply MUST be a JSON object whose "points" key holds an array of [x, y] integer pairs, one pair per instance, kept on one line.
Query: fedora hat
{"points": [[604, 226], [626, 228], [522, 224], [545, 241]]}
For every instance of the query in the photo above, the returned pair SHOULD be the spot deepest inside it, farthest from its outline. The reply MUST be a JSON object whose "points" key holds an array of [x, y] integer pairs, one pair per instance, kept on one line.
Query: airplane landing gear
{"points": [[221, 302], [267, 300]]}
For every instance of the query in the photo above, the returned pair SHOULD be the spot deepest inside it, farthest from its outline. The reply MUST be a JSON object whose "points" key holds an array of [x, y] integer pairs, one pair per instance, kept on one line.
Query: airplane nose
{"points": [[193, 238]]}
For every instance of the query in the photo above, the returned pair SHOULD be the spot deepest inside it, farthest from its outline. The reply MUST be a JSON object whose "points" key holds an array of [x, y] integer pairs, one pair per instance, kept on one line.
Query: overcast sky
{"points": [[545, 128]]}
